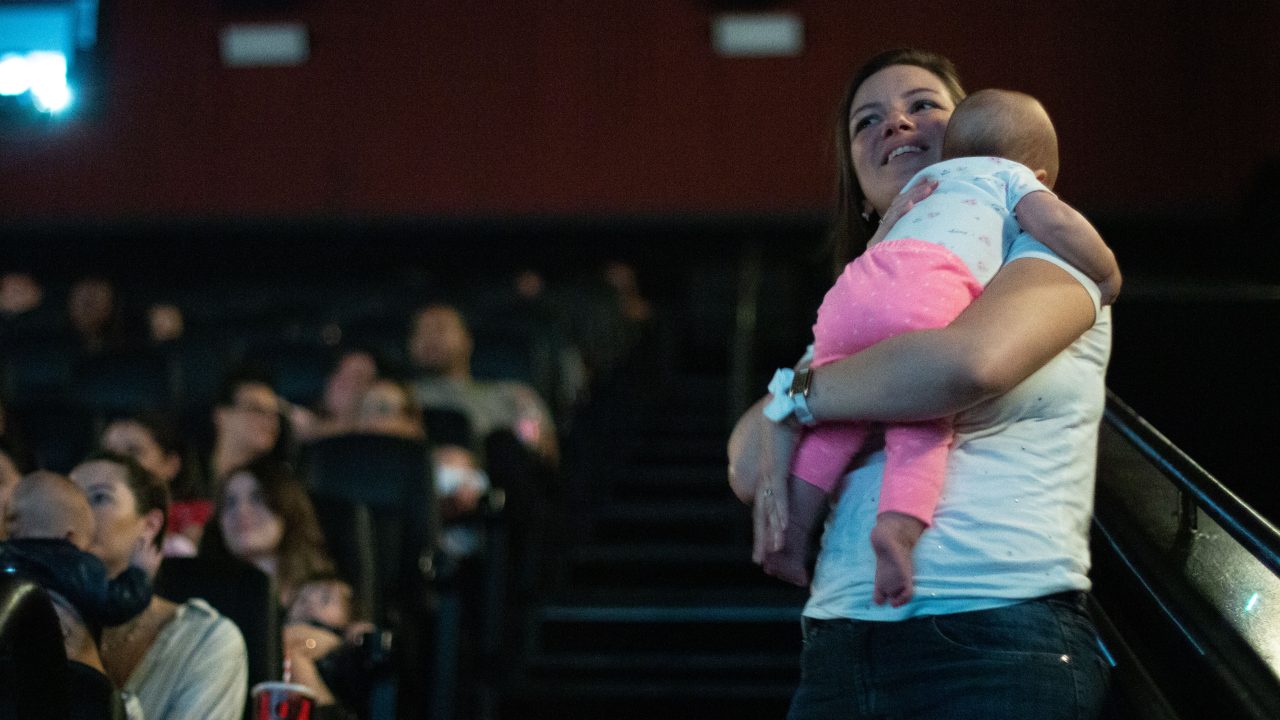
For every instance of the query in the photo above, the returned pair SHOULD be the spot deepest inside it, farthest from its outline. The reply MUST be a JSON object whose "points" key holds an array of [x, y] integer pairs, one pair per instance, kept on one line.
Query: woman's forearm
{"points": [[1031, 311]]}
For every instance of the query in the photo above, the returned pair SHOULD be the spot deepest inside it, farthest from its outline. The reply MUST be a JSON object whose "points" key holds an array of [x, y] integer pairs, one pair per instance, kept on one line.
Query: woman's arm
{"points": [[1031, 311]]}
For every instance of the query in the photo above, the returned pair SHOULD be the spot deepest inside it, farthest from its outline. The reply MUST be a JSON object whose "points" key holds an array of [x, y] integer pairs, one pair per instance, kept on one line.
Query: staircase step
{"points": [[654, 621], [672, 520], [665, 565], [658, 480], [636, 664]]}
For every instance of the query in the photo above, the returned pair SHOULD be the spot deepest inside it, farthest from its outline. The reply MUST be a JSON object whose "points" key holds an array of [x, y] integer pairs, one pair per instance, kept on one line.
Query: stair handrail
{"points": [[1254, 532]]}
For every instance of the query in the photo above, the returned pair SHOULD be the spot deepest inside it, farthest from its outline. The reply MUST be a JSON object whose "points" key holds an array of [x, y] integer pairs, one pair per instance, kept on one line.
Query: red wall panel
{"points": [[579, 106]]}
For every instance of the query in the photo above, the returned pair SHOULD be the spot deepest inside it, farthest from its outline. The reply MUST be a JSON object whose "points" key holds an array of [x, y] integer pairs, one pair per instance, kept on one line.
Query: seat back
{"points": [[33, 664], [237, 590], [374, 499]]}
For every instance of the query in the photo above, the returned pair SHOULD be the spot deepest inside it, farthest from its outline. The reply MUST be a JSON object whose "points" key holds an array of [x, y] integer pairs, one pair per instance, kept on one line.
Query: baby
{"points": [[1000, 156], [50, 525], [325, 601]]}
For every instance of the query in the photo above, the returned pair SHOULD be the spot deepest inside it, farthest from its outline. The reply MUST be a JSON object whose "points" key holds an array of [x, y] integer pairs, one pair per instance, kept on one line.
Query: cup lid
{"points": [[277, 685]]}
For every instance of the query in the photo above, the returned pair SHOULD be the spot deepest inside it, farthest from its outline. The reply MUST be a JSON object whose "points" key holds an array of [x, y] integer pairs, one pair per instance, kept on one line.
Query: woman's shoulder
{"points": [[197, 617]]}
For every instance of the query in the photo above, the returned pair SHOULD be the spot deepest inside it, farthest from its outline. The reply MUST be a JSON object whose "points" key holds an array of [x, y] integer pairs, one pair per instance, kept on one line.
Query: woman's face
{"points": [[253, 420], [896, 123], [249, 526], [134, 440], [115, 509]]}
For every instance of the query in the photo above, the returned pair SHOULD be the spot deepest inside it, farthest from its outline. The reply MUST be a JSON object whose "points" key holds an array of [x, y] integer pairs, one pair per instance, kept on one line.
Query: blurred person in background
{"points": [[247, 423], [353, 373], [440, 348], [264, 517], [93, 309]]}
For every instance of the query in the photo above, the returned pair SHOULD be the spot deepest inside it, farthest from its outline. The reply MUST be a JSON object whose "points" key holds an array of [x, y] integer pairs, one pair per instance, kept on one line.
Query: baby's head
{"points": [[1007, 124], [48, 505], [323, 598]]}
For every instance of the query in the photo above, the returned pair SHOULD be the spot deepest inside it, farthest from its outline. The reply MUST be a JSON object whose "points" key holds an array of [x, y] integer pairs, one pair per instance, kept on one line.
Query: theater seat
{"points": [[239, 591], [36, 681], [374, 499]]}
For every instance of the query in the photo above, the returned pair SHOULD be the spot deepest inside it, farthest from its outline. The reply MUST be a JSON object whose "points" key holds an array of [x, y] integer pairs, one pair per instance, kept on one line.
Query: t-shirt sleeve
{"points": [[1025, 246], [1019, 181]]}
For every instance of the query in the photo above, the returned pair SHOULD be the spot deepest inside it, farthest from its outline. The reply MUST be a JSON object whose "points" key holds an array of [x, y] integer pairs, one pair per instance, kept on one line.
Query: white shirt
{"points": [[1014, 516]]}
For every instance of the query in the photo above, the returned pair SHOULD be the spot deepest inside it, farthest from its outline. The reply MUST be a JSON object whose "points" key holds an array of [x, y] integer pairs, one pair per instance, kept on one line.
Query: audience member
{"points": [[152, 440], [52, 524], [94, 312], [172, 661], [330, 649], [440, 347], [388, 408], [265, 517], [165, 323], [339, 409], [247, 425], [9, 478], [20, 293]]}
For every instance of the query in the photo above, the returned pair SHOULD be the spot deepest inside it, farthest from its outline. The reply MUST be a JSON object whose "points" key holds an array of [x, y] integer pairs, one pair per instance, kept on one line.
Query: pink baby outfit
{"points": [[935, 261]]}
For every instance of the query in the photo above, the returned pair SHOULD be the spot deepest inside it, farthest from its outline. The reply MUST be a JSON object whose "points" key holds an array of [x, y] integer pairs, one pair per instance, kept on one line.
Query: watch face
{"points": [[800, 383]]}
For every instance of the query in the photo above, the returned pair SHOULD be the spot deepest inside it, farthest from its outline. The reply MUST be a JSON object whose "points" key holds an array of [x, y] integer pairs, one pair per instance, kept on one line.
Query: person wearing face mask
{"points": [[997, 625]]}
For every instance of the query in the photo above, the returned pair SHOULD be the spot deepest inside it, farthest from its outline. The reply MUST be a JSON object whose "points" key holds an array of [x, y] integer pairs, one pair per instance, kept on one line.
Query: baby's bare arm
{"points": [[1067, 232]]}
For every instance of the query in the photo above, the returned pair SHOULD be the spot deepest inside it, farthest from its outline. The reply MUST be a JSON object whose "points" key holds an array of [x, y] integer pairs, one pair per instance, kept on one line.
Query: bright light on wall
{"points": [[40, 41], [15, 79], [41, 73]]}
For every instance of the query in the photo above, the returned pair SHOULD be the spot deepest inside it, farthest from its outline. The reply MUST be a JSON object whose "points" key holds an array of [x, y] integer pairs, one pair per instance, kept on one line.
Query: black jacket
{"points": [[60, 567]]}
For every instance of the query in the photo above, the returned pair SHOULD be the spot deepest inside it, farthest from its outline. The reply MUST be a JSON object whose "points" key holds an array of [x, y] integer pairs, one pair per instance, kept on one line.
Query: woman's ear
{"points": [[151, 524], [867, 210]]}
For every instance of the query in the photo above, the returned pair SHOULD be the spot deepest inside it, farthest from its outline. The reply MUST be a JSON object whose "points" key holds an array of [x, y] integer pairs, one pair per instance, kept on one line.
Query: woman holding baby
{"points": [[996, 626], [171, 660]]}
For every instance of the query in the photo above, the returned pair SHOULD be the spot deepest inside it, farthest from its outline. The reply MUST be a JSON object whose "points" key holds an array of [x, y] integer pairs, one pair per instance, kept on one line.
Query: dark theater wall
{"points": [[513, 107]]}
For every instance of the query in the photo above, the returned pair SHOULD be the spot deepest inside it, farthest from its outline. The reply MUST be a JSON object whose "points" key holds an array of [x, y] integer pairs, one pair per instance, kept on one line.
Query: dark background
{"points": [[494, 134]]}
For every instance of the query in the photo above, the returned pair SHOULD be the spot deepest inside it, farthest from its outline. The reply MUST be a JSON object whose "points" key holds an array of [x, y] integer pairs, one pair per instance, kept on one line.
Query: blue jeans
{"points": [[1035, 659]]}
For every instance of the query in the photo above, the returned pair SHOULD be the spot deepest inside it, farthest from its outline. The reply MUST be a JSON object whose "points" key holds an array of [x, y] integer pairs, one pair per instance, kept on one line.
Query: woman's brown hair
{"points": [[302, 549]]}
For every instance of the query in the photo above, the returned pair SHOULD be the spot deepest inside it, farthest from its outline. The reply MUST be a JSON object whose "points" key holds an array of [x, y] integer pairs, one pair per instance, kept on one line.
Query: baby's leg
{"points": [[894, 539], [806, 509]]}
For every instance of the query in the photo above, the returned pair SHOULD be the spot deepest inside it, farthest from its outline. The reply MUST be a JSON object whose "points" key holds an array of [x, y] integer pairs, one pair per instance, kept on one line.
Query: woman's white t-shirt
{"points": [[1013, 519]]}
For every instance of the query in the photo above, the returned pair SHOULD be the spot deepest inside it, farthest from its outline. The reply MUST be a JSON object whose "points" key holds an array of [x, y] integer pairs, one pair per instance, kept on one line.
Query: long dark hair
{"points": [[302, 549], [850, 231]]}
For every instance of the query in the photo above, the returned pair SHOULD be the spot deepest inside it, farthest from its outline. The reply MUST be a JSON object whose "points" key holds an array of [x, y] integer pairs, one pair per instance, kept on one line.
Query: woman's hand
{"points": [[304, 640], [303, 671], [759, 463], [146, 556], [901, 204]]}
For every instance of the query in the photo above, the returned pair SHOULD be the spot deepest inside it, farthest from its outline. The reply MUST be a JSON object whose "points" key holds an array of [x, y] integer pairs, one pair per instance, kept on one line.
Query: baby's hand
{"points": [[1110, 287], [901, 205]]}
